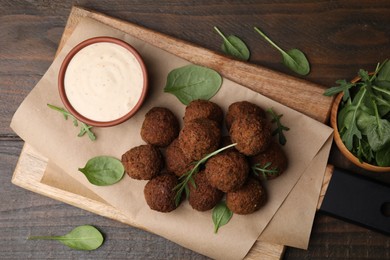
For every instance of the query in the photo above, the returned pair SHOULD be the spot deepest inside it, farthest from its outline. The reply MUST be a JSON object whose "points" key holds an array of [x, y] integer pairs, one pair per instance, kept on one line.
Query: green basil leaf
{"points": [[294, 59], [221, 215], [382, 157], [193, 82], [234, 46], [84, 237], [103, 170]]}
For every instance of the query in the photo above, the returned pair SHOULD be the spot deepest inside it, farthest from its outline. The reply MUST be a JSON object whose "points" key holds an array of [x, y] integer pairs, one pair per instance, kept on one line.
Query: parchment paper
{"points": [[47, 131], [292, 223], [290, 226]]}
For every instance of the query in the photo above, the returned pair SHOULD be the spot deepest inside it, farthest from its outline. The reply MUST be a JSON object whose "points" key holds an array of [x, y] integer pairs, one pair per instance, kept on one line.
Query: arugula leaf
{"points": [[352, 129], [383, 156], [364, 115], [280, 127], [188, 176], [383, 78], [344, 86], [378, 134], [264, 170], [364, 151], [84, 128]]}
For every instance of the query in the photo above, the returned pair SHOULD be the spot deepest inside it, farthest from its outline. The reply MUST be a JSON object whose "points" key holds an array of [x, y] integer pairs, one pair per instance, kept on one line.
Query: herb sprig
{"points": [[264, 170], [280, 127], [189, 175], [364, 116], [84, 128]]}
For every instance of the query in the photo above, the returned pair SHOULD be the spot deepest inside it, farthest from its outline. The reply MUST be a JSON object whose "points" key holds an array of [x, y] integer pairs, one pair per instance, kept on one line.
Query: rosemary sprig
{"points": [[84, 128], [280, 127], [264, 170], [189, 175]]}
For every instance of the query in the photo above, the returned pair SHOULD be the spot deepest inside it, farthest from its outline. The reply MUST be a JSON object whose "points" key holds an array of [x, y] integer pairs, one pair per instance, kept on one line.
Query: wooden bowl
{"points": [[339, 142], [73, 110]]}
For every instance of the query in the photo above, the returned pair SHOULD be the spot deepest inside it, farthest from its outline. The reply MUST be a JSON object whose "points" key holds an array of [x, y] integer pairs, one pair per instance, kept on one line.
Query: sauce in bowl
{"points": [[103, 81]]}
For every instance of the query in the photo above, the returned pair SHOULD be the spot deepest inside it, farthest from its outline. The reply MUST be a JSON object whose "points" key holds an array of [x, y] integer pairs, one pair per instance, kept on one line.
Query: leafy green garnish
{"points": [[84, 237], [189, 175], [193, 82], [280, 127], [234, 46], [103, 170], [221, 215], [264, 170], [383, 156], [343, 86], [294, 59], [84, 128], [363, 117]]}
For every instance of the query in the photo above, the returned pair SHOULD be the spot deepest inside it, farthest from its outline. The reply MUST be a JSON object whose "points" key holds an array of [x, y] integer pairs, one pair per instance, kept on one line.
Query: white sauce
{"points": [[103, 81]]}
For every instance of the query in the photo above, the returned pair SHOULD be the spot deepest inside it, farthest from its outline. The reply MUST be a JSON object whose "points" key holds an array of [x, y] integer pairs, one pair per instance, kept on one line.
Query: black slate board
{"points": [[359, 200]]}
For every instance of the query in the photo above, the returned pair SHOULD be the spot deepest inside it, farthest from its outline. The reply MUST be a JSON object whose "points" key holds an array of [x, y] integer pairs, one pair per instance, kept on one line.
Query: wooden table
{"points": [[339, 37]]}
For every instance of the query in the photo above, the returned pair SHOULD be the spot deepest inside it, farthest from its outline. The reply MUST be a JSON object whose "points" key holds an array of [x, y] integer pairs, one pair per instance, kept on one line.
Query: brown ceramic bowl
{"points": [[61, 85], [339, 142]]}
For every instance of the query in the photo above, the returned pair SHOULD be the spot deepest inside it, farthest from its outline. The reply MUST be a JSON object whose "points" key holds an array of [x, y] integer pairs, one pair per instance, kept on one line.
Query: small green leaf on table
{"points": [[234, 46], [294, 59], [84, 237]]}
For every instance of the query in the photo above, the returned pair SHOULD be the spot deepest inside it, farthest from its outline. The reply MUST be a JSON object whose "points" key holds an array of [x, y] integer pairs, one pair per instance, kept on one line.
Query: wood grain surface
{"points": [[31, 165], [339, 37]]}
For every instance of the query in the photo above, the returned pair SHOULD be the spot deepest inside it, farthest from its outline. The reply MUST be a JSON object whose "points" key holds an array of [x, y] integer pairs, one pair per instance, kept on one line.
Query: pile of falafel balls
{"points": [[229, 173]]}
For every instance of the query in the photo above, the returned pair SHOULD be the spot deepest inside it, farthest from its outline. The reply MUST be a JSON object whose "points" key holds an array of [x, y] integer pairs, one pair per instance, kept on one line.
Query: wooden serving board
{"points": [[298, 94]]}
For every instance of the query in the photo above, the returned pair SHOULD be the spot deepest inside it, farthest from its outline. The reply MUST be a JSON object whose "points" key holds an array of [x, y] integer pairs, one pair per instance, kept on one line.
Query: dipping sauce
{"points": [[103, 81]]}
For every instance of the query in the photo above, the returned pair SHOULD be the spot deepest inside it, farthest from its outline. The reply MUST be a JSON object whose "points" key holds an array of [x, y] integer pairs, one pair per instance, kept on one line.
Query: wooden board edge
{"points": [[309, 98], [325, 183], [31, 180]]}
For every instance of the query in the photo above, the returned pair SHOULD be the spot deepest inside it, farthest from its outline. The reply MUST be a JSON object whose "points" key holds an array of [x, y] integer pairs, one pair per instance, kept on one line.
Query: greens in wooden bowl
{"points": [[362, 118]]}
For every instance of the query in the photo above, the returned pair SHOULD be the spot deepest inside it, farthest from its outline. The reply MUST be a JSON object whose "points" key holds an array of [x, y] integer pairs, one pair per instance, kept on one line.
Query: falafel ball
{"points": [[203, 196], [274, 155], [249, 198], [199, 137], [143, 162], [251, 133], [227, 171], [241, 109], [176, 161], [203, 109], [160, 127], [159, 193]]}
